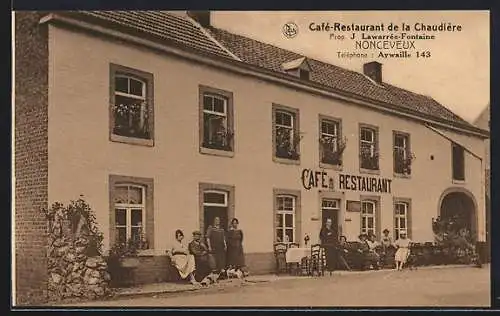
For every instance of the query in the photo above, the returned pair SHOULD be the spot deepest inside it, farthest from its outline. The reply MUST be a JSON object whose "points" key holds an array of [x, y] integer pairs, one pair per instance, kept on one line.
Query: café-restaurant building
{"points": [[163, 122]]}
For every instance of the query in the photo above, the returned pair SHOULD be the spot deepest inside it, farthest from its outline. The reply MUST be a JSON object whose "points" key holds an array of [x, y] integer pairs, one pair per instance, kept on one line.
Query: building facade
{"points": [[163, 122]]}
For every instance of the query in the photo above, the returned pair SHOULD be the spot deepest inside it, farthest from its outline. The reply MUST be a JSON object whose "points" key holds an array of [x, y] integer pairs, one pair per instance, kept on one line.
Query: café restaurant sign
{"points": [[320, 179]]}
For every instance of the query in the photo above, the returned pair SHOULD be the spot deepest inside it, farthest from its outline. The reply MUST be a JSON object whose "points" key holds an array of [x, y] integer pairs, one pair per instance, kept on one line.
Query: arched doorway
{"points": [[460, 206]]}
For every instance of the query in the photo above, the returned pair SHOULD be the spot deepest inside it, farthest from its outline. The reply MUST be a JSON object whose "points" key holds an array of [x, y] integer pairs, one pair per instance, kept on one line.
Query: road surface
{"points": [[445, 287]]}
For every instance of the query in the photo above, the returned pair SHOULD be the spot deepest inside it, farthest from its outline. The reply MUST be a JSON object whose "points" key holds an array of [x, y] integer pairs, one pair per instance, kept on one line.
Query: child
{"points": [[403, 250]]}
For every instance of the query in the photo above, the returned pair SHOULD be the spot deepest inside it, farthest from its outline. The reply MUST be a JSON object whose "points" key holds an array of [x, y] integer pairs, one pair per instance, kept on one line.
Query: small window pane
{"points": [[135, 195], [121, 84], [370, 222], [136, 87], [367, 135], [288, 204], [288, 220], [121, 217], [399, 141], [208, 103], [283, 118], [279, 235], [121, 195], [279, 220], [329, 127], [289, 235], [136, 218], [215, 198], [135, 233], [363, 222], [121, 235], [402, 223], [280, 203], [219, 105]]}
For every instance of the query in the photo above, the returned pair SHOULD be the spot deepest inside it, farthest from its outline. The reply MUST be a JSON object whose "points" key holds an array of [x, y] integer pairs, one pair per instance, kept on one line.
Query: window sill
{"points": [[325, 165], [402, 175], [369, 171], [286, 161], [146, 253], [132, 140], [216, 152]]}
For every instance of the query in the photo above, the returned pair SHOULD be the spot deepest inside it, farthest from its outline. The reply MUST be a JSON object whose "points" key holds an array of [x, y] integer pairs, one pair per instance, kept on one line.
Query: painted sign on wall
{"points": [[366, 184], [316, 179]]}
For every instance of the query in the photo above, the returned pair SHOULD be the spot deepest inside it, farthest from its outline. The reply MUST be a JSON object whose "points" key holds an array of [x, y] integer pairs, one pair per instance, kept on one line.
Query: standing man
{"points": [[329, 241]]}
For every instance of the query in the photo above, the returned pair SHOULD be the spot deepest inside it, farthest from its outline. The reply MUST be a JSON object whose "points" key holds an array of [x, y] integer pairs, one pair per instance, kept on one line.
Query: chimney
{"points": [[202, 17], [373, 70]]}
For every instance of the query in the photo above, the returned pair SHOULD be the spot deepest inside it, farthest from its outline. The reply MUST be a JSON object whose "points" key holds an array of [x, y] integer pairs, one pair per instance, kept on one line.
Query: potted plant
{"points": [[122, 260]]}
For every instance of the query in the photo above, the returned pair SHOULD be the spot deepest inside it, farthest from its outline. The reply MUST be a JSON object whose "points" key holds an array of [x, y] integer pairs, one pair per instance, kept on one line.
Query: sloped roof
{"points": [[272, 57], [181, 31], [160, 24]]}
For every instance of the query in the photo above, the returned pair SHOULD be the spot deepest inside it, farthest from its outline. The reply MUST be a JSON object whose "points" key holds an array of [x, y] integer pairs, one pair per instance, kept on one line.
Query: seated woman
{"points": [[181, 258]]}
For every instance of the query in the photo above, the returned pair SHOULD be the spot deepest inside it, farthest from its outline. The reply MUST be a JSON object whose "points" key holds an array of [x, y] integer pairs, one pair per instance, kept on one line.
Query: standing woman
{"points": [[216, 242], [403, 250], [235, 256]]}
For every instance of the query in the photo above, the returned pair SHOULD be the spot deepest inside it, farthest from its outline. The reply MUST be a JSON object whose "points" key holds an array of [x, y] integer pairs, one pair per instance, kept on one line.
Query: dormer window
{"points": [[298, 67], [304, 74]]}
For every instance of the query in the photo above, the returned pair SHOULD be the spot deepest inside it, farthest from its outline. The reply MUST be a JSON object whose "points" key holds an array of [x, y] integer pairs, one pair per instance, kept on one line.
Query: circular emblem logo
{"points": [[290, 30]]}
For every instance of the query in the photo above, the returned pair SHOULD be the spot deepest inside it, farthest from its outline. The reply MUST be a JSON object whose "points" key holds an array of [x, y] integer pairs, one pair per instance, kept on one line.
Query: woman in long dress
{"points": [[235, 255], [403, 250], [181, 258], [216, 242]]}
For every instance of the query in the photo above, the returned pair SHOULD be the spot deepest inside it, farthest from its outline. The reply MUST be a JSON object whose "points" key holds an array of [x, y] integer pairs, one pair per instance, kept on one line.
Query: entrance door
{"points": [[215, 205], [330, 208]]}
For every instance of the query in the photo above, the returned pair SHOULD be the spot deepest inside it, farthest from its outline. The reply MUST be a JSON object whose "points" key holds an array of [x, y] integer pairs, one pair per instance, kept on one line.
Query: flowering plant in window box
{"points": [[369, 158], [131, 120], [287, 143], [332, 149], [403, 162], [219, 139]]}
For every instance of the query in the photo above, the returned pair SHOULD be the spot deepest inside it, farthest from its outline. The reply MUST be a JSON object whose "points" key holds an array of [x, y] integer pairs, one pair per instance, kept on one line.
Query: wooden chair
{"points": [[280, 256], [317, 260], [293, 245]]}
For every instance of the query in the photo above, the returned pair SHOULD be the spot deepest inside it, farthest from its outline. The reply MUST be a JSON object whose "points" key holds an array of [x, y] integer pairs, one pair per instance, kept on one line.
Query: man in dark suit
{"points": [[329, 240]]}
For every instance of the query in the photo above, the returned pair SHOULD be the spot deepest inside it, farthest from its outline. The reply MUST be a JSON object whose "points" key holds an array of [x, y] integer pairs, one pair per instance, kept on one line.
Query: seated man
{"points": [[203, 264], [371, 258]]}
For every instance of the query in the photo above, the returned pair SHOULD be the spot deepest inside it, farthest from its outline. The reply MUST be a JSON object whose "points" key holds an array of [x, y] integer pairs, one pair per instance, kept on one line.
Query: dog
{"points": [[412, 261]]}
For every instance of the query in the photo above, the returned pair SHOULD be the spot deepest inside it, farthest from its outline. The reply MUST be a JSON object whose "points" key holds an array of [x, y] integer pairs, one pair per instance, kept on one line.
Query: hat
{"points": [[385, 230], [196, 232], [402, 232]]}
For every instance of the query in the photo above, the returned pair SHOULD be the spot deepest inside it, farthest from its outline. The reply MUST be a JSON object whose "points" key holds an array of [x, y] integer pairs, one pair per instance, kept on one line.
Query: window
{"points": [[217, 133], [368, 148], [131, 105], [130, 212], [458, 154], [286, 133], [304, 74], [368, 216], [402, 154], [400, 218], [285, 218], [331, 145], [330, 204], [215, 200], [131, 207]]}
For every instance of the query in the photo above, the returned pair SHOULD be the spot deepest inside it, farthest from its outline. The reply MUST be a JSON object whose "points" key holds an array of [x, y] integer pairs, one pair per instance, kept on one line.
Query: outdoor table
{"points": [[295, 255]]}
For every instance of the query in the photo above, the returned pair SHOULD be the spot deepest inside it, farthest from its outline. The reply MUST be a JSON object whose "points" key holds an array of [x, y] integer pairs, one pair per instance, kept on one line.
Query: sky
{"points": [[456, 74]]}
